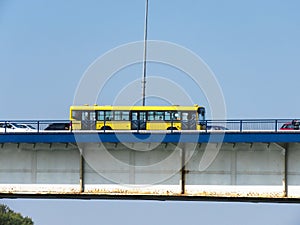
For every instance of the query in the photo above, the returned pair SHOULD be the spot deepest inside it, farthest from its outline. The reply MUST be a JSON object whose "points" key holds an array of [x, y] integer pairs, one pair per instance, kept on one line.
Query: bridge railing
{"points": [[244, 125], [240, 125], [8, 126]]}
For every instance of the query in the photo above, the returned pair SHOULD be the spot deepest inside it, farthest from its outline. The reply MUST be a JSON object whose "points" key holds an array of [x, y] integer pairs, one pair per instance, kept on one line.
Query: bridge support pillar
{"points": [[183, 171], [81, 172], [285, 181]]}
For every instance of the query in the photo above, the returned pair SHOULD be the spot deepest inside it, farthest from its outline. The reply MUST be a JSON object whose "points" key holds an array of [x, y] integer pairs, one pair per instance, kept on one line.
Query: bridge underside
{"points": [[152, 170]]}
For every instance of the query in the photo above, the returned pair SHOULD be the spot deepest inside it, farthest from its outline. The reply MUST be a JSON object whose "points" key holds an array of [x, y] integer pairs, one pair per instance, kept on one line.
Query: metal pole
{"points": [[145, 57]]}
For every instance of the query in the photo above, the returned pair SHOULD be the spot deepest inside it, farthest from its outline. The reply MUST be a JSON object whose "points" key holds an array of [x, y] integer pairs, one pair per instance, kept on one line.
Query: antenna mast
{"points": [[145, 56]]}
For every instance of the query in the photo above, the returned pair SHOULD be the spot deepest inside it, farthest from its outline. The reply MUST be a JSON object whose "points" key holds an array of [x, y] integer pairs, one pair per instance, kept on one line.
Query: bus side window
{"points": [[117, 115], [175, 116], [125, 115], [159, 116], [100, 115], [184, 116], [108, 115], [85, 116], [92, 115], [167, 116], [192, 116], [150, 115]]}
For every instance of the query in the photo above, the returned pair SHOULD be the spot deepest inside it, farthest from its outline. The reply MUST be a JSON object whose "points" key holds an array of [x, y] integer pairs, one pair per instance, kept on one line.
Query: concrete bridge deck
{"points": [[229, 166]]}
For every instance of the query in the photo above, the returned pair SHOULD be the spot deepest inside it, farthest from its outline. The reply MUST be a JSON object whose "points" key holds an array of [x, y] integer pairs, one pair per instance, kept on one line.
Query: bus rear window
{"points": [[76, 114]]}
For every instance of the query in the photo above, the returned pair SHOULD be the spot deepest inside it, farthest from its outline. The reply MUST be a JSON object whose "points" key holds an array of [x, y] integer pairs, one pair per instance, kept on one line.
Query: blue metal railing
{"points": [[240, 125], [33, 125], [248, 124]]}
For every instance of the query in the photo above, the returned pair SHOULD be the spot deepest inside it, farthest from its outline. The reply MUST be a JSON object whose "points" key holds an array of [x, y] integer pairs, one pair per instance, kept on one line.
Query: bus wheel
{"points": [[172, 128], [106, 128]]}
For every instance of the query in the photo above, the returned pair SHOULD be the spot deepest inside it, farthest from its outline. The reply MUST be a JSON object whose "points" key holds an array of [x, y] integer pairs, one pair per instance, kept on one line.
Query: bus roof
{"points": [[139, 108]]}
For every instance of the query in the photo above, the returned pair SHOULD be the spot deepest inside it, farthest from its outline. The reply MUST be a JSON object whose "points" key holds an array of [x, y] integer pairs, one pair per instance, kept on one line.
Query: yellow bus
{"points": [[174, 117]]}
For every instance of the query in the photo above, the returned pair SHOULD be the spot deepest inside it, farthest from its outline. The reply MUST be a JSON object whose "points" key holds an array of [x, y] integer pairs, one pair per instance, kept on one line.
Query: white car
{"points": [[26, 126], [15, 127]]}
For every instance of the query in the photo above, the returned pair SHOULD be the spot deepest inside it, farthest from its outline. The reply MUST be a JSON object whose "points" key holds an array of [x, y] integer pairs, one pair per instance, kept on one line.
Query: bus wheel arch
{"points": [[106, 128]]}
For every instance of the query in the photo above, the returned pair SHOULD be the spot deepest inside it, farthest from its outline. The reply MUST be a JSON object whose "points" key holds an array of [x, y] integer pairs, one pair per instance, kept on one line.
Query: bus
{"points": [[97, 117]]}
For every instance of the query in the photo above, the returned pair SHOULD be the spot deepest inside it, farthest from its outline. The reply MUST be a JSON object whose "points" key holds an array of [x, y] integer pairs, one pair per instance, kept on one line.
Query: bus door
{"points": [[188, 121], [138, 120], [88, 121]]}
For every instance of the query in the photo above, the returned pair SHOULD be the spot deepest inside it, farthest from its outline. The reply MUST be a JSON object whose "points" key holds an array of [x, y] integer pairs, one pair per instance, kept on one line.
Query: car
{"points": [[28, 126], [213, 127], [15, 127], [294, 125], [58, 126]]}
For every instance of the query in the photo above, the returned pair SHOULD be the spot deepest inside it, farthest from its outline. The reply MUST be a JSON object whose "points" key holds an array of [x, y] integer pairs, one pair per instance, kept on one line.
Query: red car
{"points": [[294, 125]]}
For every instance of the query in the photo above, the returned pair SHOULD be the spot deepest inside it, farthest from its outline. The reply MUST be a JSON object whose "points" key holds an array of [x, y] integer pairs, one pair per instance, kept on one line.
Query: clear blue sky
{"points": [[253, 48]]}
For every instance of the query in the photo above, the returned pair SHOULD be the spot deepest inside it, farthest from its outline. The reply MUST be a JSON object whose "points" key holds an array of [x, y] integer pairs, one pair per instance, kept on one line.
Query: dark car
{"points": [[58, 126]]}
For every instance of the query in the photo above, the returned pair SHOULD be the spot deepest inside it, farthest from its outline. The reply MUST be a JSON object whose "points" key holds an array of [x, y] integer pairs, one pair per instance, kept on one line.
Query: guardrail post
{"points": [[241, 125], [104, 124], [276, 125], [171, 122], [38, 126]]}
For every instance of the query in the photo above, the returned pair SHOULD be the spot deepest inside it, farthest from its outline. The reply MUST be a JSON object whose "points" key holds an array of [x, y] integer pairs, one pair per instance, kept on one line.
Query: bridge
{"points": [[248, 160]]}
